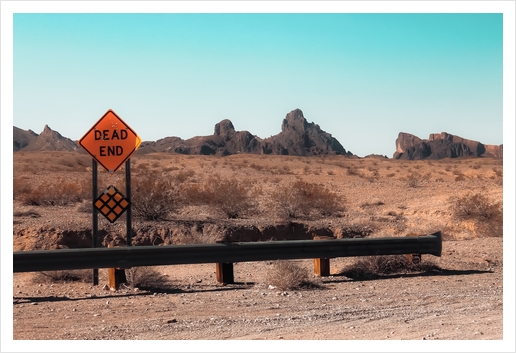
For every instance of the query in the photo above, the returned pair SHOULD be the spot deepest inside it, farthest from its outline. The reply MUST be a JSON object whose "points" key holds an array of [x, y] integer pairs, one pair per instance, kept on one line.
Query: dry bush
{"points": [[21, 187], [231, 196], [373, 203], [86, 206], [286, 275], [486, 215], [63, 276], [153, 196], [28, 213], [301, 198], [184, 175], [414, 180], [209, 234], [147, 278], [368, 267], [352, 170], [58, 192]]}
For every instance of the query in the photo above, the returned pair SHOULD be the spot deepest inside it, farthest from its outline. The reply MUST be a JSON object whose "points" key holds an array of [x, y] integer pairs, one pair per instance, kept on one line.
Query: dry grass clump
{"points": [[153, 196], [302, 198], [231, 196], [28, 213], [414, 180], [367, 267], [286, 275], [209, 234], [60, 192], [63, 276], [147, 278], [485, 214]]}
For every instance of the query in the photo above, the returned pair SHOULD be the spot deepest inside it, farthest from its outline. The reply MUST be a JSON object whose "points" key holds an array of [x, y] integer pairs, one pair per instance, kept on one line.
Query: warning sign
{"points": [[110, 141], [111, 203]]}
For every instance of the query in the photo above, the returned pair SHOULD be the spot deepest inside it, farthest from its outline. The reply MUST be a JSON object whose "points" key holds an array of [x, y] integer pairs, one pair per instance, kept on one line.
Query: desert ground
{"points": [[179, 199]]}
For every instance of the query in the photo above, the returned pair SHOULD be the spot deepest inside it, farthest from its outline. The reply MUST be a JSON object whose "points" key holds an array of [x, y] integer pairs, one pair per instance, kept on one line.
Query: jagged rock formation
{"points": [[224, 141], [442, 145], [301, 138], [22, 138], [297, 137], [48, 140]]}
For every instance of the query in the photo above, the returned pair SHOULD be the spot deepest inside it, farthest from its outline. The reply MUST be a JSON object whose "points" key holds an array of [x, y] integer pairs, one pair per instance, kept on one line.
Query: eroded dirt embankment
{"points": [[175, 232]]}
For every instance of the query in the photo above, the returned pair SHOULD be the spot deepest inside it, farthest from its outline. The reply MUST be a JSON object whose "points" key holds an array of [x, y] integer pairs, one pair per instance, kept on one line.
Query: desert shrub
{"points": [[85, 206], [147, 278], [209, 234], [28, 213], [20, 187], [498, 172], [286, 275], [153, 196], [486, 215], [414, 180], [256, 166], [367, 267], [184, 175], [372, 203], [57, 192], [63, 276], [141, 167], [301, 198], [352, 170], [228, 195]]}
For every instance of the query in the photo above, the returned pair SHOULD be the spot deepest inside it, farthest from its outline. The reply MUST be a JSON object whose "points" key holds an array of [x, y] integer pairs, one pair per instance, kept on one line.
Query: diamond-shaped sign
{"points": [[111, 203], [110, 141]]}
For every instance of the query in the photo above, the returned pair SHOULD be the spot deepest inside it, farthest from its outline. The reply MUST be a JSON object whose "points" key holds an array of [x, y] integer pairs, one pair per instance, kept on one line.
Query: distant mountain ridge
{"points": [[443, 145], [297, 137], [48, 140]]}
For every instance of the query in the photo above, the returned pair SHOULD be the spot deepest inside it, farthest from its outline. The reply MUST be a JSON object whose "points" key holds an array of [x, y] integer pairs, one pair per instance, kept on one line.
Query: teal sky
{"points": [[362, 77]]}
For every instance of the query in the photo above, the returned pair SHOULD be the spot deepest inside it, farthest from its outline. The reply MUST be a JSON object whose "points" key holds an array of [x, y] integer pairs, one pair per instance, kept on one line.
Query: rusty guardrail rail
{"points": [[221, 253]]}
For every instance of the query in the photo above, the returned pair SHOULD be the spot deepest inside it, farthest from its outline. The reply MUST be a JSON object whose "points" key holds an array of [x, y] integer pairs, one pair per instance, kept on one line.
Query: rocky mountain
{"points": [[301, 138], [442, 145], [48, 140], [297, 137], [22, 138]]}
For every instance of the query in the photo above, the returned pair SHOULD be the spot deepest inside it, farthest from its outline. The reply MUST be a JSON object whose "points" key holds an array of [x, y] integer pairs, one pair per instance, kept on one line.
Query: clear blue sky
{"points": [[362, 77]]}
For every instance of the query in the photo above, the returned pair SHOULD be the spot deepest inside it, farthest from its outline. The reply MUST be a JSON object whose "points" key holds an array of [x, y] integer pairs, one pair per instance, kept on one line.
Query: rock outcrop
{"points": [[442, 145], [22, 138], [297, 137], [301, 138], [48, 140]]}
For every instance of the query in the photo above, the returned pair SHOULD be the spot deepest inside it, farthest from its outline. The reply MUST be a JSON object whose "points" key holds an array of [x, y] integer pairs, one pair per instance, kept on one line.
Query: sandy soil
{"points": [[460, 299]]}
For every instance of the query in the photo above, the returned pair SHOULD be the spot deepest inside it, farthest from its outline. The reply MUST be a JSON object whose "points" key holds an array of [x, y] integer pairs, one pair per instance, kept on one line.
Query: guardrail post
{"points": [[116, 276], [225, 273], [322, 265], [414, 258]]}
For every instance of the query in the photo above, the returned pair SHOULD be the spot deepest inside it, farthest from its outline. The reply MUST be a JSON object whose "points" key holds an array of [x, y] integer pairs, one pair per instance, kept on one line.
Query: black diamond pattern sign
{"points": [[111, 203]]}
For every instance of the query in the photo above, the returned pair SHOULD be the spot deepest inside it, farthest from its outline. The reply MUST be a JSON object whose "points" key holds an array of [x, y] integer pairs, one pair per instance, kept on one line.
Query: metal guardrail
{"points": [[132, 256]]}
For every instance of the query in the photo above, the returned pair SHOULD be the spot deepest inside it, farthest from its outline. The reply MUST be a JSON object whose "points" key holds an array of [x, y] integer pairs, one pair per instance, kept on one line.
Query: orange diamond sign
{"points": [[111, 203], [111, 142]]}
